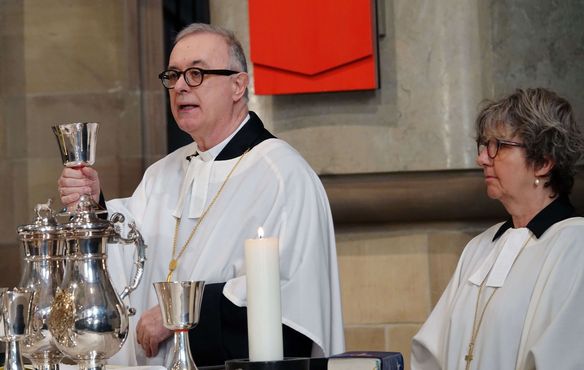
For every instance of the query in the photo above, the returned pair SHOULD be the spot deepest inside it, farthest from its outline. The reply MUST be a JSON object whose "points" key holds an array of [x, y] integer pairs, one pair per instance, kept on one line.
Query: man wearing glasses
{"points": [[197, 206]]}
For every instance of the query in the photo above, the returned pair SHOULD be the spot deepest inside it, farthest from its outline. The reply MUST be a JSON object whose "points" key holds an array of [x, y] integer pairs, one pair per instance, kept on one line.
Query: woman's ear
{"points": [[545, 168], [240, 83]]}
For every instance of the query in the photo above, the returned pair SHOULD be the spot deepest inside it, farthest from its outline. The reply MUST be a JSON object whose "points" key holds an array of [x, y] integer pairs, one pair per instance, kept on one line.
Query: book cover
{"points": [[366, 360]]}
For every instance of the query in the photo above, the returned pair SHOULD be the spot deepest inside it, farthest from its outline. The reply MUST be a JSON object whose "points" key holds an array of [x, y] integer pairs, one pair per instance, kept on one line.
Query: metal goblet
{"points": [[77, 143], [15, 316], [180, 303]]}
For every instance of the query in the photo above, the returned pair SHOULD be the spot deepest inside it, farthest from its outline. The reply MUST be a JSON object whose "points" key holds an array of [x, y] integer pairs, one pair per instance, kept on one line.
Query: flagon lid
{"points": [[44, 226], [85, 221]]}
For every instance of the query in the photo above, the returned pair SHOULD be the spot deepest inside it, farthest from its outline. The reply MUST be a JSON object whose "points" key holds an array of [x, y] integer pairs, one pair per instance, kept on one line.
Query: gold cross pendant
{"points": [[172, 265], [171, 268]]}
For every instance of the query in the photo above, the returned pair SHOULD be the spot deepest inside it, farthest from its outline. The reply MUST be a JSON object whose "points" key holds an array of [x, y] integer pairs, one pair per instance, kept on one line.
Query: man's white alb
{"points": [[272, 187]]}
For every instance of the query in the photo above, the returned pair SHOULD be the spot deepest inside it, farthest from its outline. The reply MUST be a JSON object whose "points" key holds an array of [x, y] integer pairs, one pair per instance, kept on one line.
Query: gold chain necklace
{"points": [[174, 260], [476, 326]]}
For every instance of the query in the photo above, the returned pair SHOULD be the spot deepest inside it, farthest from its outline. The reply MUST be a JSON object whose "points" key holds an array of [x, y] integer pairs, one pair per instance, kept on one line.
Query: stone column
{"points": [[438, 73], [13, 144]]}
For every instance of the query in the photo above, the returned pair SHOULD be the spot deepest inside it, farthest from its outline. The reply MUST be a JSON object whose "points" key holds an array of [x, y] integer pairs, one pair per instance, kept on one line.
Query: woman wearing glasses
{"points": [[516, 298]]}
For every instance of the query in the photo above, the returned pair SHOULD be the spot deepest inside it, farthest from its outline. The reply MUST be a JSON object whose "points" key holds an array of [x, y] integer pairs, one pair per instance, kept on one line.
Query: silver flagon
{"points": [[44, 253], [88, 321]]}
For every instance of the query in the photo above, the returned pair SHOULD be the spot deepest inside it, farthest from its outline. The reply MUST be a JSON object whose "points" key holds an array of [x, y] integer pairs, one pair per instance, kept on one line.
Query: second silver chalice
{"points": [[180, 302], [15, 317]]}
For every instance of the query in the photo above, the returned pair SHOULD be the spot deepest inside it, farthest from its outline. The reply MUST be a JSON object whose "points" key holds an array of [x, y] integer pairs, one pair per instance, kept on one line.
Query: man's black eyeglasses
{"points": [[493, 146], [193, 76]]}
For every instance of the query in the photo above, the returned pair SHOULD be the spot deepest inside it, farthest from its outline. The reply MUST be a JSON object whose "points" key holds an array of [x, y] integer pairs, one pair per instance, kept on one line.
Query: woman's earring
{"points": [[536, 181]]}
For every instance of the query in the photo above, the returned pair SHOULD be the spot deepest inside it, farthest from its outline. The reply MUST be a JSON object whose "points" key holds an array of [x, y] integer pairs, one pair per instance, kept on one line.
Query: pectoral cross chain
{"points": [[175, 257], [468, 358]]}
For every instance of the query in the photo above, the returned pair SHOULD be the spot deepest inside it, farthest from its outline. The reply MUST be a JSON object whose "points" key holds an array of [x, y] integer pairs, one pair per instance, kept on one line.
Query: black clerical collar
{"points": [[558, 210], [251, 134]]}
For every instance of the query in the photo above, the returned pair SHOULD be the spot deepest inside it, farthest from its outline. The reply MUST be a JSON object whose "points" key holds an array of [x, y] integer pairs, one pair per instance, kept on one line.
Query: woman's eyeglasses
{"points": [[493, 145]]}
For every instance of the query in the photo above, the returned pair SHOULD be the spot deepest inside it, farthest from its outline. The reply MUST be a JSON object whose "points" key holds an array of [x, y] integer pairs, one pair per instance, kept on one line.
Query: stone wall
{"points": [[72, 62], [391, 277], [13, 147]]}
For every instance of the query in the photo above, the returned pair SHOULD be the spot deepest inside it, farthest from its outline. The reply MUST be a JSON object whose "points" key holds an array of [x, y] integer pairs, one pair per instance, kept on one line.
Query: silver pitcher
{"points": [[88, 320], [44, 252]]}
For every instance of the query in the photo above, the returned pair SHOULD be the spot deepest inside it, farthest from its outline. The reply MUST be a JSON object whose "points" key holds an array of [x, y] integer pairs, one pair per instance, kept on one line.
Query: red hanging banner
{"points": [[304, 46]]}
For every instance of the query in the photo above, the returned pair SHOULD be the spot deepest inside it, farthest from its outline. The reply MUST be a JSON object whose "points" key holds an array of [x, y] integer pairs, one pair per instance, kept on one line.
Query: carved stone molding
{"points": [[409, 197]]}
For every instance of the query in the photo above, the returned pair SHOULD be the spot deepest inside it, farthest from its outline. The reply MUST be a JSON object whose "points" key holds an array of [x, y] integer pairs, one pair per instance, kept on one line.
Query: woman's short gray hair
{"points": [[238, 61], [545, 122]]}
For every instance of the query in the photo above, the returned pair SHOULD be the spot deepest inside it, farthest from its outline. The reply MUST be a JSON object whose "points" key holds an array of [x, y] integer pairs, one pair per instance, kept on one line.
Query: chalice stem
{"points": [[182, 358], [13, 356]]}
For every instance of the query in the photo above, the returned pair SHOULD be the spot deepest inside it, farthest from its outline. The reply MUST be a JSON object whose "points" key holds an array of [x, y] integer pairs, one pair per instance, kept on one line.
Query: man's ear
{"points": [[240, 83], [544, 169]]}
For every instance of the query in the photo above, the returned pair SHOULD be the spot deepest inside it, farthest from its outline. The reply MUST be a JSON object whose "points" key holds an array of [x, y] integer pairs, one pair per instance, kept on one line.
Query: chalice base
{"points": [[91, 363], [45, 365]]}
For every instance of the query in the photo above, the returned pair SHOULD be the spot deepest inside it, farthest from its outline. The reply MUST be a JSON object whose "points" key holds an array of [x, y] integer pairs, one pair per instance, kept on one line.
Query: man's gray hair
{"points": [[236, 54]]}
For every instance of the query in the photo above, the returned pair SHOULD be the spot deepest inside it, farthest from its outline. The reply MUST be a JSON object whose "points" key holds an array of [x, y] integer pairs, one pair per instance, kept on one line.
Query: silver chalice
{"points": [[15, 318], [180, 302], [77, 143]]}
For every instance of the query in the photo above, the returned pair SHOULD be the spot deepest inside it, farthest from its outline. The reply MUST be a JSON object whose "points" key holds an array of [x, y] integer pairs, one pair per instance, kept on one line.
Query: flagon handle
{"points": [[133, 237]]}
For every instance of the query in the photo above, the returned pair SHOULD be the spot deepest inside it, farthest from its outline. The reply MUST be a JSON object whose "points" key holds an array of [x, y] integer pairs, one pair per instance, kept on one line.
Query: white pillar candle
{"points": [[264, 312]]}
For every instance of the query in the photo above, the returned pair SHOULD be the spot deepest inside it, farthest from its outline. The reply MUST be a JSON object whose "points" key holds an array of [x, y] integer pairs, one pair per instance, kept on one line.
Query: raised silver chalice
{"points": [[180, 302], [77, 143], [15, 317], [77, 146]]}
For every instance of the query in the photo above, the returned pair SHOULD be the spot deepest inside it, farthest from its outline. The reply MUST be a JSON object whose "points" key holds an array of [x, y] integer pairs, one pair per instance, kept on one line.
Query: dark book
{"points": [[318, 363], [365, 360]]}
